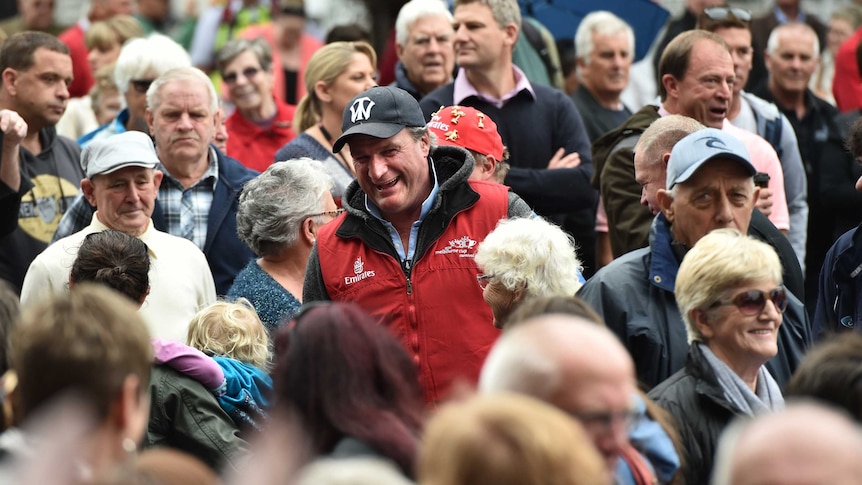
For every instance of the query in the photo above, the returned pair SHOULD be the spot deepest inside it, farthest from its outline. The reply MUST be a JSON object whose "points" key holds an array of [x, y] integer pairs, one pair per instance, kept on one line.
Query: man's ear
{"points": [[665, 202], [665, 159], [671, 85], [9, 76], [150, 117], [158, 175], [511, 38], [399, 50], [89, 190]]}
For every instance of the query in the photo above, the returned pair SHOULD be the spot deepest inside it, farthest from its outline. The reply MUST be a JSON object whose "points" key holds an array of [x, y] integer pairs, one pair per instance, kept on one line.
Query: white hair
{"points": [[773, 42], [603, 23], [351, 471], [531, 254], [150, 57], [415, 10], [187, 73], [520, 365]]}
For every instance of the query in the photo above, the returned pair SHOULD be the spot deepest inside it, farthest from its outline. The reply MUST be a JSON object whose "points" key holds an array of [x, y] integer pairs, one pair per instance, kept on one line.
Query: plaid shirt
{"points": [[186, 211]]}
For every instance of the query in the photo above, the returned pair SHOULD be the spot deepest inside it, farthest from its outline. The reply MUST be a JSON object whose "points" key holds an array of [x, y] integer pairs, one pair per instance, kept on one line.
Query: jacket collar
{"points": [[663, 264]]}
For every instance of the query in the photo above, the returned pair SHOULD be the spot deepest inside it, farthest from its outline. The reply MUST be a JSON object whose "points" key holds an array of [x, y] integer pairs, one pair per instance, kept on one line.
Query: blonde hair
{"points": [[719, 261], [325, 65], [507, 439], [115, 30], [231, 329]]}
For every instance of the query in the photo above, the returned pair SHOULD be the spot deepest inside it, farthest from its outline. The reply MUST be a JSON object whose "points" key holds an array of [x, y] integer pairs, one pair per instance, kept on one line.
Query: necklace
{"points": [[341, 158]]}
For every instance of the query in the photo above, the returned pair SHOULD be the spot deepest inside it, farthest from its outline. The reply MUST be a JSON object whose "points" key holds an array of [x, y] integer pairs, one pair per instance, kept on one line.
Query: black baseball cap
{"points": [[381, 112]]}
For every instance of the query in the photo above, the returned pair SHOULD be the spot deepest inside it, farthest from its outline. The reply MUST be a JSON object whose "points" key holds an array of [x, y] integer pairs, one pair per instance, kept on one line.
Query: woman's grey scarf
{"points": [[767, 398]]}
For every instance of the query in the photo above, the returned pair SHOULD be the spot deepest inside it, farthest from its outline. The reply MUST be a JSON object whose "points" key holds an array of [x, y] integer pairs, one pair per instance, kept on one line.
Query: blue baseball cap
{"points": [[381, 112], [690, 153]]}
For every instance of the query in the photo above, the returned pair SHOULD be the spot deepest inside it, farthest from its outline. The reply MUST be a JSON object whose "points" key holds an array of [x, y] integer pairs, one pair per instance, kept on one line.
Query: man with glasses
{"points": [[141, 61], [579, 367], [405, 248], [425, 43], [35, 72], [709, 185]]}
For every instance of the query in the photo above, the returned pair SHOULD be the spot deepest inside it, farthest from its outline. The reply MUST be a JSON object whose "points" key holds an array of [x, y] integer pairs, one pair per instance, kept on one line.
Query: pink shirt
{"points": [[463, 89]]}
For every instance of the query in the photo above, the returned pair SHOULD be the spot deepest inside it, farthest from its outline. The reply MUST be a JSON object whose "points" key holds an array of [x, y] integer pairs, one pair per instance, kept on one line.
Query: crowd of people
{"points": [[432, 246]]}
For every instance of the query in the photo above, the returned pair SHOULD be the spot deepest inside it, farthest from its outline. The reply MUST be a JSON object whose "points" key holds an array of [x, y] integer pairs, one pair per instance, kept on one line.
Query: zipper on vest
{"points": [[407, 267]]}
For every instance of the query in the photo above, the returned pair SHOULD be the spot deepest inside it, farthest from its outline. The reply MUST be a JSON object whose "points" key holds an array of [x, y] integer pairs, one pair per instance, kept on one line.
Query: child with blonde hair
{"points": [[232, 333]]}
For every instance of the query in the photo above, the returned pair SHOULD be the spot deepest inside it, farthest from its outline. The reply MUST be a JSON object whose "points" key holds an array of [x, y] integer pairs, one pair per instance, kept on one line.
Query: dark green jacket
{"points": [[186, 416]]}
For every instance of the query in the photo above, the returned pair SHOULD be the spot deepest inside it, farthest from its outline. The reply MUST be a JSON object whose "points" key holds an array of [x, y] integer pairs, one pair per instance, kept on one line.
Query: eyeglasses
{"points": [[752, 302], [602, 422], [249, 73], [721, 13], [335, 213], [484, 279], [141, 85]]}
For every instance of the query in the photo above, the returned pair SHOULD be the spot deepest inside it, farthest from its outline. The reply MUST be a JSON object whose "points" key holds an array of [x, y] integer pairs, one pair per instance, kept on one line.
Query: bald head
{"points": [[576, 365], [806, 444]]}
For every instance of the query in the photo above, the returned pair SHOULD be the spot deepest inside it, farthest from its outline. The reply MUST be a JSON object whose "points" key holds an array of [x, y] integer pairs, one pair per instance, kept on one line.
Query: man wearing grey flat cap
{"points": [[404, 248], [122, 183], [709, 186]]}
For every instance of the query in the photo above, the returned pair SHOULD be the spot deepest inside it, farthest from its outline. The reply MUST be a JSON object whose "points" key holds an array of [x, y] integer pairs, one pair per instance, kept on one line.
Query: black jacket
{"points": [[696, 401]]}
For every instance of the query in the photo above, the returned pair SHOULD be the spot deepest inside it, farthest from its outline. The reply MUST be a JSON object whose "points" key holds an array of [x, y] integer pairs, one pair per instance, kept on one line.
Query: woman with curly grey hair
{"points": [[524, 258], [280, 212]]}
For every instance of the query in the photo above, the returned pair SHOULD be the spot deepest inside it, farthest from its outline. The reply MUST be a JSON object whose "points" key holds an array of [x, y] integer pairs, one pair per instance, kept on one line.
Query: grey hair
{"points": [[772, 43], [351, 471], [604, 23], [233, 48], [662, 134], [415, 10], [273, 205], [417, 132], [148, 56], [505, 11], [154, 94]]}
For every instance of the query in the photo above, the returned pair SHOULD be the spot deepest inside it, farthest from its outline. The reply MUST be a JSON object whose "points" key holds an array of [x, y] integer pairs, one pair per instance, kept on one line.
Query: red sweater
{"points": [[255, 146]]}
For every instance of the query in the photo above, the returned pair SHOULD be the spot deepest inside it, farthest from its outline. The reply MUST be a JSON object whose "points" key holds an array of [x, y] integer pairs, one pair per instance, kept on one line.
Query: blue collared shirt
{"points": [[414, 228], [186, 210]]}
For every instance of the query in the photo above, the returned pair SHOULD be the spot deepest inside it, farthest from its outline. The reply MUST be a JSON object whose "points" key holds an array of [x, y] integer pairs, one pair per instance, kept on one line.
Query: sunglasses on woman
{"points": [[752, 302]]}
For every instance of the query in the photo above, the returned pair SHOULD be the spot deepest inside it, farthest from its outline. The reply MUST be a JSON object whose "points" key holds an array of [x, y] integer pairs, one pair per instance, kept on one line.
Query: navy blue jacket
{"points": [[839, 299], [226, 254]]}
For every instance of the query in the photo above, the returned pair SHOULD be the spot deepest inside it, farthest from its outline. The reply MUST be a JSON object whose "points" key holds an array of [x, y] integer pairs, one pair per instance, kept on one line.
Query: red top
{"points": [[847, 84], [255, 146], [73, 37]]}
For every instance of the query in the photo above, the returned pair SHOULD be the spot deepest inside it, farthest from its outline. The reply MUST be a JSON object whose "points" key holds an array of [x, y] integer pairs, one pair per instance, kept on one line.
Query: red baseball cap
{"points": [[468, 128]]}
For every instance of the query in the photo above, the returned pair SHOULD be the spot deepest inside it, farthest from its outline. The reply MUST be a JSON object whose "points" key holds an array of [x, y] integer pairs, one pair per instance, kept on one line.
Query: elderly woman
{"points": [[351, 384], [261, 124], [334, 75], [524, 258], [279, 214], [731, 299]]}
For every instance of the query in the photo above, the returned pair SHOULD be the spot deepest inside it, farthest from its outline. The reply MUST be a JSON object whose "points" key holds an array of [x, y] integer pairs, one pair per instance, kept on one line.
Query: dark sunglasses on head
{"points": [[721, 13], [752, 302], [141, 85], [248, 73]]}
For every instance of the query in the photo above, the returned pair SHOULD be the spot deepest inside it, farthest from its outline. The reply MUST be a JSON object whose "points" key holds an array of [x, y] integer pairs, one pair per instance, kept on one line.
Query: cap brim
{"points": [[126, 165], [687, 174], [377, 130]]}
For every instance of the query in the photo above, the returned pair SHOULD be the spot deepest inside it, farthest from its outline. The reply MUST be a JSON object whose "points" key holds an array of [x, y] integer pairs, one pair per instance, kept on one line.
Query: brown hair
{"points": [[18, 50], [87, 342], [677, 55]]}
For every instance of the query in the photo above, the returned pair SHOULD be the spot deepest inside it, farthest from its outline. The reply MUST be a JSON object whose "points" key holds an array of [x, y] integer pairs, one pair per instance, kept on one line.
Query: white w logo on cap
{"points": [[361, 109]]}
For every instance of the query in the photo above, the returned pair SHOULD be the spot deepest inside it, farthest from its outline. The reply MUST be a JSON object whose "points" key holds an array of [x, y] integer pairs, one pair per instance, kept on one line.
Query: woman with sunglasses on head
{"points": [[731, 299], [280, 212], [334, 75], [260, 124], [350, 384]]}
